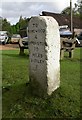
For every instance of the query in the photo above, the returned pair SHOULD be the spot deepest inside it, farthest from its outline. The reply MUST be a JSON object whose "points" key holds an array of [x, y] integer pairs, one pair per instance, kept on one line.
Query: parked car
{"points": [[64, 31], [15, 38], [25, 41], [3, 37]]}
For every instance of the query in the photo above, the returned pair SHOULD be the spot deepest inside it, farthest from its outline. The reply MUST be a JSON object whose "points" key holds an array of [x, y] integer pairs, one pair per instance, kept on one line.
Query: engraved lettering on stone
{"points": [[35, 36], [38, 30], [36, 48], [37, 55]]}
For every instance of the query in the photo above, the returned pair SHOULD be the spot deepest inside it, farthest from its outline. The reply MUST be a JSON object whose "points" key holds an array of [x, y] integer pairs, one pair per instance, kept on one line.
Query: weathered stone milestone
{"points": [[44, 54]]}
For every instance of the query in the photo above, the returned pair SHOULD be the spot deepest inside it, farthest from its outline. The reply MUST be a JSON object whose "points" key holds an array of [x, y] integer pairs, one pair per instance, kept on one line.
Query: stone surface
{"points": [[44, 54]]}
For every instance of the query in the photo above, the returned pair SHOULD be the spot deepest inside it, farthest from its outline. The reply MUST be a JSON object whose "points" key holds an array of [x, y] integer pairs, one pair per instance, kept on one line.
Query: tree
{"points": [[22, 26], [66, 11], [23, 22], [13, 29], [79, 7], [0, 23], [77, 10], [6, 26]]}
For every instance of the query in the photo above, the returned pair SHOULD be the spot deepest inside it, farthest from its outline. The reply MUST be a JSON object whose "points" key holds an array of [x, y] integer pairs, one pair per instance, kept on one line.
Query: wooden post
{"points": [[71, 17], [61, 54], [71, 54], [21, 51], [21, 47]]}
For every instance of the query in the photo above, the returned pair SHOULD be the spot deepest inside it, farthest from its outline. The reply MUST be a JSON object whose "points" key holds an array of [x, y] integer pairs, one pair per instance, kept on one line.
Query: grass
{"points": [[18, 102]]}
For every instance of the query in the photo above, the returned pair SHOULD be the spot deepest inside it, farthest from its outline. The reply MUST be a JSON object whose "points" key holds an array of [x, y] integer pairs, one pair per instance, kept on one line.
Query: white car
{"points": [[15, 38], [65, 32], [3, 38]]}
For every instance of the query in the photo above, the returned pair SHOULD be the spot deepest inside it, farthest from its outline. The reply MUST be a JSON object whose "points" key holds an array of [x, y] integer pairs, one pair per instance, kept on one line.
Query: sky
{"points": [[12, 10]]}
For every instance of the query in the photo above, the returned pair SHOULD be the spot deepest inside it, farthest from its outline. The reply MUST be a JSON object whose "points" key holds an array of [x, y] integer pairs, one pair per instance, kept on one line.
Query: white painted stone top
{"points": [[44, 52]]}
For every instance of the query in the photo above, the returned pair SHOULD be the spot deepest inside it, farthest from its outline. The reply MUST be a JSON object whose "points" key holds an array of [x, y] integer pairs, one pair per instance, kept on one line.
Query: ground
{"points": [[9, 47], [18, 101]]}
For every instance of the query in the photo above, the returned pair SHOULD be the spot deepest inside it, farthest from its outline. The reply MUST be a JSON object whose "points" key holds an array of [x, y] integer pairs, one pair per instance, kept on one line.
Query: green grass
{"points": [[18, 102]]}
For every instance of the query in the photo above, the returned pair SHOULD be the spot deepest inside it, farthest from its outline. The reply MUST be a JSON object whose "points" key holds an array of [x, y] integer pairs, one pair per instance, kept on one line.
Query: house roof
{"points": [[63, 19]]}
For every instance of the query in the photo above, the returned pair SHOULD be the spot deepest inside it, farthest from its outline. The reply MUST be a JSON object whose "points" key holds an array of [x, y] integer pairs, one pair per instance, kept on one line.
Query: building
{"points": [[64, 19]]}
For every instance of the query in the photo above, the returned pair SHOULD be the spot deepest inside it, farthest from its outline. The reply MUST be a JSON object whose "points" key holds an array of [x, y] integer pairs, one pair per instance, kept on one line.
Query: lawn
{"points": [[18, 102]]}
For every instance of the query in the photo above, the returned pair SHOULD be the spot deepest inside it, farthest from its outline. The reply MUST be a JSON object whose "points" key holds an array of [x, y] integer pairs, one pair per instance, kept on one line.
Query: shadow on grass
{"points": [[66, 58], [16, 55], [19, 102]]}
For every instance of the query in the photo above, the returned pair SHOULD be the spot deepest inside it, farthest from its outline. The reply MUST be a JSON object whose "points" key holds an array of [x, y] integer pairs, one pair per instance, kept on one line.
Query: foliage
{"points": [[79, 7], [22, 24], [19, 103], [13, 29], [66, 11], [77, 10], [0, 23], [6, 26]]}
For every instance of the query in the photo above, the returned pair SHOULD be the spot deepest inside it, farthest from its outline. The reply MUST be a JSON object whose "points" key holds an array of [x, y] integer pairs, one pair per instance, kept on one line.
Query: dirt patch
{"points": [[9, 47]]}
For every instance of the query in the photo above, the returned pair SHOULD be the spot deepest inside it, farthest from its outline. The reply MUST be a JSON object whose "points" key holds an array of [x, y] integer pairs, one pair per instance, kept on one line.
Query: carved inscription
{"points": [[37, 61], [38, 30], [37, 55], [38, 44]]}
